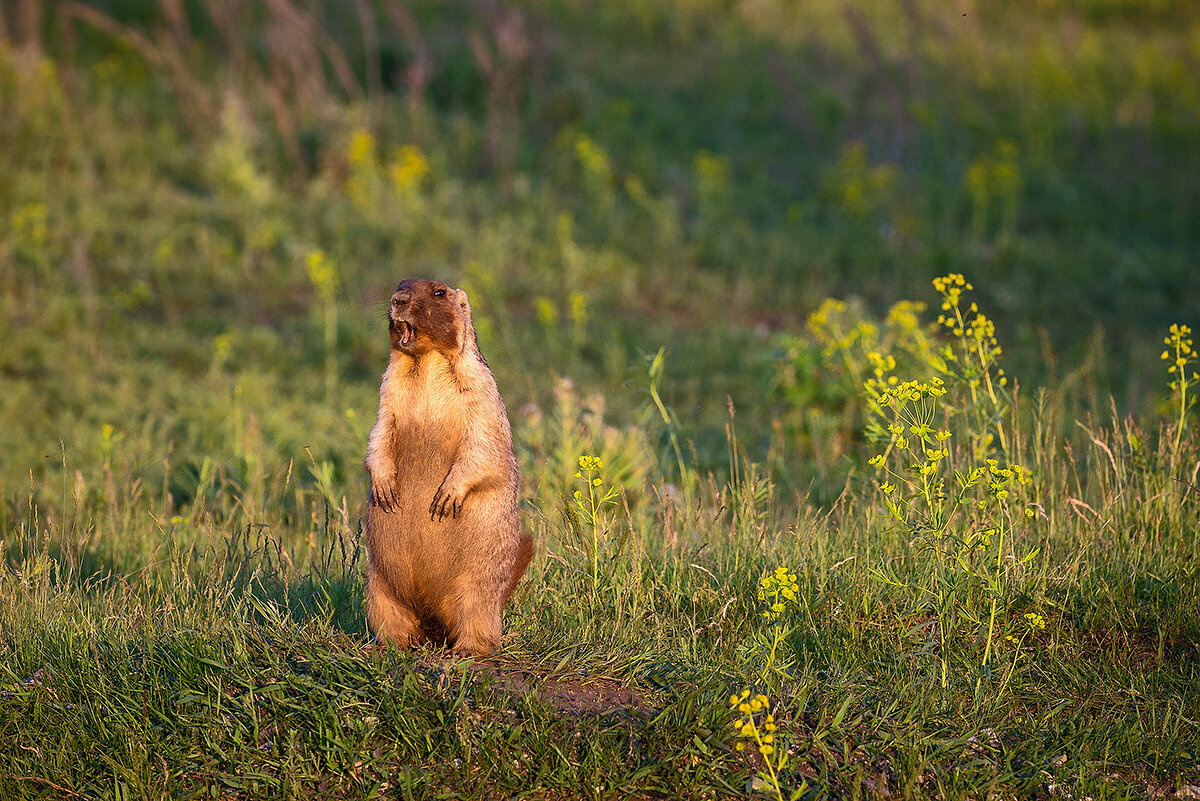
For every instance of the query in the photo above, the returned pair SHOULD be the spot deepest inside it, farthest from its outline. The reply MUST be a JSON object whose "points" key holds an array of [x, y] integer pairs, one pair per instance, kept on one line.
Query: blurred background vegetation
{"points": [[204, 208]]}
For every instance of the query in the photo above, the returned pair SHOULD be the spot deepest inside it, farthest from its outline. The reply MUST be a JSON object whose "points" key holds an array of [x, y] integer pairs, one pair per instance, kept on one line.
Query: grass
{"points": [[195, 260], [237, 659]]}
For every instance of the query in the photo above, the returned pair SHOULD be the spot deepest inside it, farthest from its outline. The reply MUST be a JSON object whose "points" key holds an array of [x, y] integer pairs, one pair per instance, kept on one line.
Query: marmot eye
{"points": [[439, 293]]}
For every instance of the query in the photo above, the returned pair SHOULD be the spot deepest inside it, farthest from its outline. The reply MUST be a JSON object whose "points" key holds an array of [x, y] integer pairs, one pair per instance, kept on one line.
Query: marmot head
{"points": [[427, 316]]}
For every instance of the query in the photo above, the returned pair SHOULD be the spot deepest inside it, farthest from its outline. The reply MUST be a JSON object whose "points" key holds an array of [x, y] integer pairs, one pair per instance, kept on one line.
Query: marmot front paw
{"points": [[447, 501], [383, 494]]}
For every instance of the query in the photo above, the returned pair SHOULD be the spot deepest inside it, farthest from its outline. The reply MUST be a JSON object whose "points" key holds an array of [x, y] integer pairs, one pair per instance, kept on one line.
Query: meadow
{"points": [[848, 349]]}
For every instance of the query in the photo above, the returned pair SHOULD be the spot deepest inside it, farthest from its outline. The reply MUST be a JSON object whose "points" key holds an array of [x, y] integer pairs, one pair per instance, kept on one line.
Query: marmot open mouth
{"points": [[408, 332]]}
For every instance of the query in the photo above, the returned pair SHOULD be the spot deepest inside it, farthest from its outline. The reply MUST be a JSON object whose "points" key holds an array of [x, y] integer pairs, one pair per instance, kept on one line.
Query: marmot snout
{"points": [[443, 532], [424, 316]]}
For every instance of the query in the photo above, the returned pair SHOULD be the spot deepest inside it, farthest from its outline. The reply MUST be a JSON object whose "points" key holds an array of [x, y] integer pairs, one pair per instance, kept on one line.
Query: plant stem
{"points": [[771, 656], [987, 649], [656, 369], [330, 349], [595, 539], [1011, 668], [1183, 385], [942, 634], [770, 764]]}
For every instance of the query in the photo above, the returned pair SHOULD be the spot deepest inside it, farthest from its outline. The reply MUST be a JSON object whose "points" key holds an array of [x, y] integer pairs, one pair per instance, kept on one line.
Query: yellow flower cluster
{"points": [[321, 273], [1000, 480], [1034, 623], [975, 331], [985, 537], [577, 308], [28, 223], [593, 522], [776, 589], [589, 471], [819, 322], [982, 330], [904, 323], [589, 463], [913, 391], [880, 364], [222, 344], [1003, 477], [906, 315], [1006, 177], [409, 169], [593, 157], [712, 169], [997, 174], [747, 723], [362, 148], [859, 186], [544, 308], [829, 325], [951, 287], [1180, 340], [924, 454], [994, 176]]}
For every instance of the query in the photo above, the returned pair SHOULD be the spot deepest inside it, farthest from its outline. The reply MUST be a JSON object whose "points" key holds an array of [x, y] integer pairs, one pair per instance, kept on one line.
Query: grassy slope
{"points": [[180, 596]]}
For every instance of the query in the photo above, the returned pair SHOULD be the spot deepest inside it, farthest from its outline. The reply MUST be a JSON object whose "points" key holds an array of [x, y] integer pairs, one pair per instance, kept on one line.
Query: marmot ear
{"points": [[468, 328]]}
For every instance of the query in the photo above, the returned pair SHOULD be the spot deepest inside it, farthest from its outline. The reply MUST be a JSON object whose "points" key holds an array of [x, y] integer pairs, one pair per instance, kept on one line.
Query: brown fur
{"points": [[444, 537]]}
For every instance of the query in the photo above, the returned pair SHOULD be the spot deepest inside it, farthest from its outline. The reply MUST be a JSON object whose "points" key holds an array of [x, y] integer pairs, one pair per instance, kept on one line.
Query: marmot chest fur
{"points": [[443, 533]]}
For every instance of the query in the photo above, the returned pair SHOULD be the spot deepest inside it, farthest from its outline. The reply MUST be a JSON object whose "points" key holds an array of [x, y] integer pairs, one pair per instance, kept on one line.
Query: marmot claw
{"points": [[385, 497], [445, 503]]}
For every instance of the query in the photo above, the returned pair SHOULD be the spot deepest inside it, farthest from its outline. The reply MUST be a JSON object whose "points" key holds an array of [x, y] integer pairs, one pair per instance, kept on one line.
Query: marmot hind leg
{"points": [[475, 628], [392, 621], [524, 554]]}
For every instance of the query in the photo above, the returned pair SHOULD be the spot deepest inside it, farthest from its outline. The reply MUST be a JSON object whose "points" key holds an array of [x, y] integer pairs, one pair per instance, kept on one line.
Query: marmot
{"points": [[444, 538]]}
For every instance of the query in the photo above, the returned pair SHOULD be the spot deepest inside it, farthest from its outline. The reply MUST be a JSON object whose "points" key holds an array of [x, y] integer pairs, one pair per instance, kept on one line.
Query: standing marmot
{"points": [[443, 534]]}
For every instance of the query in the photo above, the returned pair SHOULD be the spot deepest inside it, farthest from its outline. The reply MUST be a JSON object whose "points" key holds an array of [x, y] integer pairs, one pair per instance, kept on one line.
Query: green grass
{"points": [[184, 403]]}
